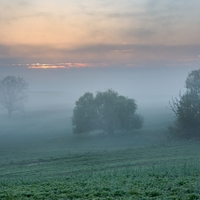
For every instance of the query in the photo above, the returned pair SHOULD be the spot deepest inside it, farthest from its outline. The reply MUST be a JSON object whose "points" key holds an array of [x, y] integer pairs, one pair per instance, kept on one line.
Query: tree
{"points": [[106, 103], [107, 111], [187, 108], [84, 115], [128, 119], [13, 93], [192, 82]]}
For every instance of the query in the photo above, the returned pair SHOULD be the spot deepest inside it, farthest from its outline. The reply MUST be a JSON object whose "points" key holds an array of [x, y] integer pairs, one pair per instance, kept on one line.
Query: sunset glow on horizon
{"points": [[64, 65], [45, 66]]}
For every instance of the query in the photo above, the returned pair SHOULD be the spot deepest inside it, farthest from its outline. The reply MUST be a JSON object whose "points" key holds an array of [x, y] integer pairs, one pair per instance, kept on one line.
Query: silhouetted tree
{"points": [[106, 104], [128, 119], [84, 114], [13, 93], [192, 82], [106, 111], [187, 108]]}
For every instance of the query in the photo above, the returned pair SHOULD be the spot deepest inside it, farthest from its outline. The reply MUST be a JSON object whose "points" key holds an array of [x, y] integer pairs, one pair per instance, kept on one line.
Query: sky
{"points": [[113, 35]]}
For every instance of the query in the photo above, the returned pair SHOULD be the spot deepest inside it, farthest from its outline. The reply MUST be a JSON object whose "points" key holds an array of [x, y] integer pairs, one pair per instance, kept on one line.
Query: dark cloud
{"points": [[103, 53], [170, 10], [162, 18], [154, 21]]}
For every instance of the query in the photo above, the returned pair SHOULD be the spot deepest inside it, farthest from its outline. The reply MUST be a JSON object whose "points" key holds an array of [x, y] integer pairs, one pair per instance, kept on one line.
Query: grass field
{"points": [[41, 159]]}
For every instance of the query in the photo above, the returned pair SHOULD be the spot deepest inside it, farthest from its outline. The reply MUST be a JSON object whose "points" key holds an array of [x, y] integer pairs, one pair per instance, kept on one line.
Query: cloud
{"points": [[45, 66], [149, 22], [18, 10], [13, 17], [102, 55], [65, 65], [136, 22]]}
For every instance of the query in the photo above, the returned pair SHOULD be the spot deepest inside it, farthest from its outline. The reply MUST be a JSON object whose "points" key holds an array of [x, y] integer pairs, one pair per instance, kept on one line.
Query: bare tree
{"points": [[13, 93]]}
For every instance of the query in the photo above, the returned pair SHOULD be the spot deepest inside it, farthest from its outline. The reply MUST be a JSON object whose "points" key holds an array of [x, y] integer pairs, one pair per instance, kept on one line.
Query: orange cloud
{"points": [[42, 66], [65, 65]]}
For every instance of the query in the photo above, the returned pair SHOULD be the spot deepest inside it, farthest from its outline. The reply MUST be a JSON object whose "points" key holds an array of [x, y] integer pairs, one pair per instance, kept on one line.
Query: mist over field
{"points": [[125, 80], [51, 88], [143, 50], [53, 92], [59, 89], [38, 144]]}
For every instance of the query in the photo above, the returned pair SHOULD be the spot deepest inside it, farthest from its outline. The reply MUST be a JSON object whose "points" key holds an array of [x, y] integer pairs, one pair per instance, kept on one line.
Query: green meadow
{"points": [[41, 159]]}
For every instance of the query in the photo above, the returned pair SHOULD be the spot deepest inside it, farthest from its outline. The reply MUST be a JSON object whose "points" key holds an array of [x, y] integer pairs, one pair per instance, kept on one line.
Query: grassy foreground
{"points": [[181, 182], [165, 172], [41, 160]]}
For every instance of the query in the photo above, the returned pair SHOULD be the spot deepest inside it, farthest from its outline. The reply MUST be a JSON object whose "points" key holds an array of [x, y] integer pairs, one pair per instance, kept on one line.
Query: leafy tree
{"points": [[13, 93], [84, 114], [106, 103], [187, 108], [106, 111], [127, 118], [192, 82]]}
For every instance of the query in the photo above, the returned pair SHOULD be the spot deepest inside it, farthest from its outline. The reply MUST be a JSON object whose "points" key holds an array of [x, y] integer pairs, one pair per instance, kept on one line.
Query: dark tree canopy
{"points": [[13, 93], [192, 82], [84, 114], [106, 103], [107, 111], [187, 108]]}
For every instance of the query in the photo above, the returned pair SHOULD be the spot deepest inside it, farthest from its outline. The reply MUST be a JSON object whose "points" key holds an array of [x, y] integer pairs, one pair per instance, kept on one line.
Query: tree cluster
{"points": [[187, 108], [107, 111]]}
